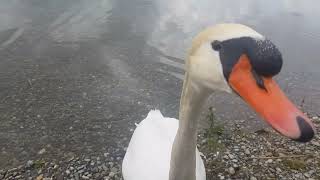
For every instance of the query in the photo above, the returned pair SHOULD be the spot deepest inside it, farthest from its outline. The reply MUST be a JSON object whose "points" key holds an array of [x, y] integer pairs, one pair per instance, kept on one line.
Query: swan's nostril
{"points": [[306, 130]]}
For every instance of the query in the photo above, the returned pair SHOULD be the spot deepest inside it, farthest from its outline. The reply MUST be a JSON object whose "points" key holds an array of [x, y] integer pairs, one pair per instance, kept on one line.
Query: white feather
{"points": [[149, 152]]}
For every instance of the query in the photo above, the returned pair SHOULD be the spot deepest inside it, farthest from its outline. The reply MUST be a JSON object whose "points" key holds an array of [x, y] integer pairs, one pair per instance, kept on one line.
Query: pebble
{"points": [[85, 177], [231, 171], [237, 161], [68, 172], [112, 174], [231, 156], [269, 161], [247, 152], [315, 143], [40, 177], [29, 164], [278, 170], [253, 178], [42, 151]]}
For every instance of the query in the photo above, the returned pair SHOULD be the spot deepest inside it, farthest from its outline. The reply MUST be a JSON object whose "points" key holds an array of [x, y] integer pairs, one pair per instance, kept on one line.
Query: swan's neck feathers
{"points": [[183, 155]]}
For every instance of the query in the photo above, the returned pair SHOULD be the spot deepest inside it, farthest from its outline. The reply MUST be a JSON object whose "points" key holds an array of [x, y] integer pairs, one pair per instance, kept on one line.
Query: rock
{"points": [[253, 178], [12, 170], [114, 170], [29, 164], [308, 175], [269, 161], [68, 172], [226, 157], [76, 176], [231, 171], [85, 177], [278, 170], [231, 156], [111, 174], [40, 177], [315, 143], [42, 151], [247, 152]]}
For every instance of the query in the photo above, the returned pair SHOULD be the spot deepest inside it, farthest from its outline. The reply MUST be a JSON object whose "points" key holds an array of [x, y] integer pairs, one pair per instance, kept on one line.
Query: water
{"points": [[76, 75]]}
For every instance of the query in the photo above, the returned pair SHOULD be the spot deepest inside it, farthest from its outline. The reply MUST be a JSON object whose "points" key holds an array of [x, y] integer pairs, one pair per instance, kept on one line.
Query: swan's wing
{"points": [[149, 151], [200, 169]]}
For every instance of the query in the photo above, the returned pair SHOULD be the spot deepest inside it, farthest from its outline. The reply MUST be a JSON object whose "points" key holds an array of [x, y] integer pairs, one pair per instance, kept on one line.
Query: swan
{"points": [[224, 57]]}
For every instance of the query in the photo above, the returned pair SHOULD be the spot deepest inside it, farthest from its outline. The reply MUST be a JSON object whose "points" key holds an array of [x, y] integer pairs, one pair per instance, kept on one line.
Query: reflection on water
{"points": [[107, 62], [167, 26]]}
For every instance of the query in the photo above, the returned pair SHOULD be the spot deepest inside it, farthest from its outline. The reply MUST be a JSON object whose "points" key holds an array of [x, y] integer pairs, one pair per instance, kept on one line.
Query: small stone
{"points": [[42, 151], [225, 157], [269, 161], [247, 152], [68, 172], [307, 175], [231, 171], [253, 178], [315, 143], [80, 171], [29, 164], [76, 176], [111, 174], [85, 177], [231, 156], [40, 177], [278, 170], [234, 160], [222, 177], [12, 170], [114, 170]]}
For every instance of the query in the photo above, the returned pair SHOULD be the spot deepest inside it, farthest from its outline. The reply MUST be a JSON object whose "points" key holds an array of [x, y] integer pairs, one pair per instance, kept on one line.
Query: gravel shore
{"points": [[232, 154]]}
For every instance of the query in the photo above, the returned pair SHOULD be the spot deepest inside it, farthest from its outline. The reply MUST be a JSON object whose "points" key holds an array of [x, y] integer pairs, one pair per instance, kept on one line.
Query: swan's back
{"points": [[149, 152]]}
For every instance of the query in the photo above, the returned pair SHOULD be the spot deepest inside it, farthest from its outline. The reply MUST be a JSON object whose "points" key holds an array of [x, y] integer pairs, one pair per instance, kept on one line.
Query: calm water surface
{"points": [[75, 74]]}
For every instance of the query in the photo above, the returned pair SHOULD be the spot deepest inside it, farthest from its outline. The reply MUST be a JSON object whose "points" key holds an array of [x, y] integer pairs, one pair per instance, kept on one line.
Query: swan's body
{"points": [[223, 57], [152, 142]]}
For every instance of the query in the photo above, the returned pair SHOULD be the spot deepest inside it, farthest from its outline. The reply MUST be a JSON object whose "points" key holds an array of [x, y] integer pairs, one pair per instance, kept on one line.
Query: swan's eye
{"points": [[216, 45]]}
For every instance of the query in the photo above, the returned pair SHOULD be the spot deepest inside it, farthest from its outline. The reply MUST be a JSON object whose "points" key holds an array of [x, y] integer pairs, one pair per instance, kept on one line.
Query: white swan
{"points": [[225, 57]]}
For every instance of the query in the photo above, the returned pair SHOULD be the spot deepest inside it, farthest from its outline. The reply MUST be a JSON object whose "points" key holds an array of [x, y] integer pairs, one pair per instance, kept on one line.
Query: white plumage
{"points": [[149, 151]]}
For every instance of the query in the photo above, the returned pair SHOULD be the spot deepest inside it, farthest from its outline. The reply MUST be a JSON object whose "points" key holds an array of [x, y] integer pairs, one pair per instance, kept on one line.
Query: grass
{"points": [[213, 132], [295, 164], [38, 164]]}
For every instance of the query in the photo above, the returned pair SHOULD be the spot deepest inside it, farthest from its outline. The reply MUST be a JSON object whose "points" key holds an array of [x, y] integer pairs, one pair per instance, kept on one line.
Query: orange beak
{"points": [[271, 103]]}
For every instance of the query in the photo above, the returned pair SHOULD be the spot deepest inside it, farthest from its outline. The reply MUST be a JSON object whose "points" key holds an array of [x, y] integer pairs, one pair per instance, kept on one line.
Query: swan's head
{"points": [[236, 58]]}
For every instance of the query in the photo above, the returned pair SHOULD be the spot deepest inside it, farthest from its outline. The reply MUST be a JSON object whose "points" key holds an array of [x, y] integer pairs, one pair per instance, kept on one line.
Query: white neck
{"points": [[183, 155]]}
